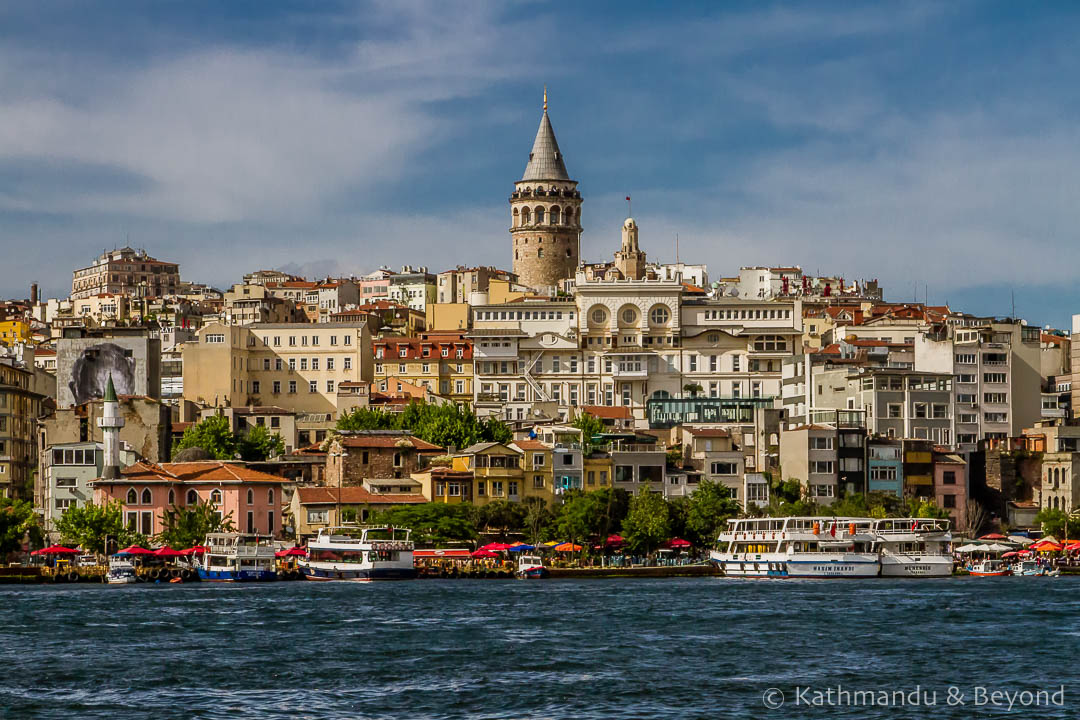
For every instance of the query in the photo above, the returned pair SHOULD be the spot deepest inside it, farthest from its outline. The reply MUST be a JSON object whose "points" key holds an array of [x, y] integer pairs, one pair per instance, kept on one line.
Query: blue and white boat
{"points": [[798, 547], [237, 557], [359, 553]]}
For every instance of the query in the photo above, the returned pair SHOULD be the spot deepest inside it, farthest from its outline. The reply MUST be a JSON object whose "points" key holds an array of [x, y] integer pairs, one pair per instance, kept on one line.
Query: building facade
{"points": [[126, 272]]}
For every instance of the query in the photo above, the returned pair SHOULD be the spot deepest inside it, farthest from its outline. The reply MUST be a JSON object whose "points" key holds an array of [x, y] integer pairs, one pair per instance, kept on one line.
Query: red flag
{"points": [[628, 198], [832, 531], [914, 525]]}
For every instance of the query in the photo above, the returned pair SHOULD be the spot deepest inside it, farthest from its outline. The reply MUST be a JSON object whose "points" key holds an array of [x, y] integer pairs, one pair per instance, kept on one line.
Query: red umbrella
{"points": [[1073, 546], [615, 540], [679, 543], [55, 550], [482, 553], [197, 550], [166, 552], [993, 536], [291, 552], [134, 550], [496, 547], [1011, 555]]}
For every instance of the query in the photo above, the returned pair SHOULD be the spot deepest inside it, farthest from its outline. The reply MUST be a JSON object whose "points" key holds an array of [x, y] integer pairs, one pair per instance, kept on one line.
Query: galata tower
{"points": [[545, 210]]}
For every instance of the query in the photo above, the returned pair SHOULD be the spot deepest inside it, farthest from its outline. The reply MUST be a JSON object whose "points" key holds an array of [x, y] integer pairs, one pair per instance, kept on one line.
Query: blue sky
{"points": [[928, 145]]}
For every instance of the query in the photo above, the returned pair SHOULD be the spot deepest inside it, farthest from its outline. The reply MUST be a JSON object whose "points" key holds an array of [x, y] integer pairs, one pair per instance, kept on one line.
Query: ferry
{"points": [[798, 547], [121, 571], [914, 547], [531, 567], [359, 553], [237, 557]]}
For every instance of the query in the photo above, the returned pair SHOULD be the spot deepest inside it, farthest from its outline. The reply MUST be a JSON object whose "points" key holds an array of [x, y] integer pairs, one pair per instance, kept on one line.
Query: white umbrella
{"points": [[1020, 540], [970, 548], [996, 547], [1049, 538]]}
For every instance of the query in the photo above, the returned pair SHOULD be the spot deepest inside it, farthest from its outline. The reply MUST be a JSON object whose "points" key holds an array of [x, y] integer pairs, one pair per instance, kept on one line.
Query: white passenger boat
{"points": [[914, 547], [359, 552], [806, 547], [121, 571], [237, 557]]}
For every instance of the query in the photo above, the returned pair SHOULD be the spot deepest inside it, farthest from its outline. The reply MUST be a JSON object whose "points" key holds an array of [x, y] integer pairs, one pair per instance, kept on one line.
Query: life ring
{"points": [[174, 573], [185, 574], [73, 576], [155, 574]]}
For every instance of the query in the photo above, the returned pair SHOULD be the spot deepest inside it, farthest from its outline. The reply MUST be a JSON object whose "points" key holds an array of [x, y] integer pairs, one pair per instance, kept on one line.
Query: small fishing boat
{"points": [[531, 567], [989, 568], [237, 557], [121, 571]]}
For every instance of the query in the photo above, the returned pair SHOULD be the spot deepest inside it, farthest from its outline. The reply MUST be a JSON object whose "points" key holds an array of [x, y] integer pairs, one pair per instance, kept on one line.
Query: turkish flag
{"points": [[832, 531], [628, 198]]}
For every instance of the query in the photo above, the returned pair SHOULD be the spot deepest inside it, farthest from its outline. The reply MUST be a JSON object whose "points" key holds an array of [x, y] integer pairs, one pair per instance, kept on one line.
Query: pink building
{"points": [[951, 487], [251, 499]]}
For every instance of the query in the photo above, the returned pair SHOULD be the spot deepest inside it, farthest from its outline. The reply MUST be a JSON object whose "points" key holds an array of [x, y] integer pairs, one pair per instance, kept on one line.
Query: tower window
{"points": [[539, 216], [540, 253]]}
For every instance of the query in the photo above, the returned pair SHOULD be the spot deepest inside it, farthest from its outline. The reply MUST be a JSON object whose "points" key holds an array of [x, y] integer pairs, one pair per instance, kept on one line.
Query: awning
{"points": [[522, 548], [484, 554], [166, 552], [55, 550], [567, 547], [446, 553], [292, 552], [134, 550]]}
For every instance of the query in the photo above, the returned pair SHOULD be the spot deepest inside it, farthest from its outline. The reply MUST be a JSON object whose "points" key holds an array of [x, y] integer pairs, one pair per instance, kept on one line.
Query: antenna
{"points": [[676, 248], [1012, 296]]}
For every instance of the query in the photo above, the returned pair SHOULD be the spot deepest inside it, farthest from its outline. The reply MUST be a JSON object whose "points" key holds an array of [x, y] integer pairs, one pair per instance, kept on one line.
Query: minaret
{"points": [[630, 260], [110, 423], [545, 214]]}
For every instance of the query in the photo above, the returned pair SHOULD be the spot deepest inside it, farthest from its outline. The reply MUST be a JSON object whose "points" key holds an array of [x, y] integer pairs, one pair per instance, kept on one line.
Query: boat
{"points": [[989, 568], [237, 557], [798, 547], [359, 553], [1030, 568], [531, 567], [914, 547], [121, 571]]}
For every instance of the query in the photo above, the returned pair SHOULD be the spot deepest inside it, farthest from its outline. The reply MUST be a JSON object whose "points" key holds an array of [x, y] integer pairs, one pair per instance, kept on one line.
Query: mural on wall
{"points": [[91, 369]]}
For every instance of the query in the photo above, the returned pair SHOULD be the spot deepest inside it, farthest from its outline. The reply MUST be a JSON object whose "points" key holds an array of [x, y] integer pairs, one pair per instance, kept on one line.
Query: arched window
{"points": [[598, 315], [539, 216], [659, 315], [270, 496], [568, 218], [132, 497], [172, 496], [517, 218], [251, 496], [555, 215], [215, 497], [1055, 503], [192, 497], [147, 496], [525, 216]]}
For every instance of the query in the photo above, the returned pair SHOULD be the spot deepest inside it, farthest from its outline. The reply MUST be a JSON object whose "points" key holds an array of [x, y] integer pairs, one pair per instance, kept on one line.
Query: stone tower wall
{"points": [[545, 252]]}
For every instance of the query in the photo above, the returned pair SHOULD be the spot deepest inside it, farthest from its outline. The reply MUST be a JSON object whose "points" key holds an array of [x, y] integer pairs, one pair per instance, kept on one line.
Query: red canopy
{"points": [[1046, 545], [292, 552], [166, 552], [614, 540], [197, 550], [679, 543], [1073, 546], [994, 536], [482, 553], [55, 550]]}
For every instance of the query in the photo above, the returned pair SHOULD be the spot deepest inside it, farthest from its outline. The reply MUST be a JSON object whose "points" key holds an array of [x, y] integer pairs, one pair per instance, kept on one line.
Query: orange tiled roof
{"points": [[355, 495], [530, 444], [205, 471], [608, 413]]}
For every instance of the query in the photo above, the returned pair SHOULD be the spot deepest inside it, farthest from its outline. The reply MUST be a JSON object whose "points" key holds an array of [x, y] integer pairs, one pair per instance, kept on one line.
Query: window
{"points": [[538, 482], [995, 377], [629, 316], [821, 443], [481, 488], [348, 363], [147, 497], [939, 411], [255, 387], [192, 497], [965, 358], [132, 497], [317, 516], [822, 490], [513, 487], [770, 343], [895, 410], [250, 497], [659, 315], [724, 468], [948, 501], [329, 386], [313, 386], [277, 387], [496, 488], [966, 378], [278, 364], [821, 467], [538, 460], [314, 363], [215, 497], [735, 363], [292, 363], [948, 477], [999, 398], [965, 398], [214, 339], [920, 410]]}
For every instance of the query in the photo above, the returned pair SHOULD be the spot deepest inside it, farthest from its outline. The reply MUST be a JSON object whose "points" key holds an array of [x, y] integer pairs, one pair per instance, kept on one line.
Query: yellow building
{"points": [[538, 468], [442, 363], [496, 469], [13, 332], [598, 470], [297, 366]]}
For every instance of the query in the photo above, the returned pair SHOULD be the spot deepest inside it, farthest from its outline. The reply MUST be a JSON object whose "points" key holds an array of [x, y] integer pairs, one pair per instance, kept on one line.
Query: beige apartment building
{"points": [[290, 365], [126, 272]]}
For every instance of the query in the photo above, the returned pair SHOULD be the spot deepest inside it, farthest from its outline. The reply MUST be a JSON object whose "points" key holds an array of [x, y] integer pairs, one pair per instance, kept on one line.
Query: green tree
{"points": [[923, 508], [433, 524], [710, 506], [589, 425], [188, 526], [446, 425], [648, 523], [212, 434], [1052, 522], [501, 516], [579, 517], [370, 419], [96, 528], [259, 444], [18, 522], [539, 520]]}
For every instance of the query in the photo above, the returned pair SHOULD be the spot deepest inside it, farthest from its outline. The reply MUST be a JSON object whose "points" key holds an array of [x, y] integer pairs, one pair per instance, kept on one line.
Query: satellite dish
{"points": [[733, 292]]}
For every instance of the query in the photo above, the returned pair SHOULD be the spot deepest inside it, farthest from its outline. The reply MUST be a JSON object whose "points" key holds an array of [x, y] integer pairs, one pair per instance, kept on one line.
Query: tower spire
{"points": [[545, 97]]}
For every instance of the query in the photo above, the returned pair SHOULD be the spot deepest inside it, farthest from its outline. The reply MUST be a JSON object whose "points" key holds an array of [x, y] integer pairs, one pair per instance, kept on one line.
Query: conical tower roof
{"points": [[545, 160], [110, 391]]}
